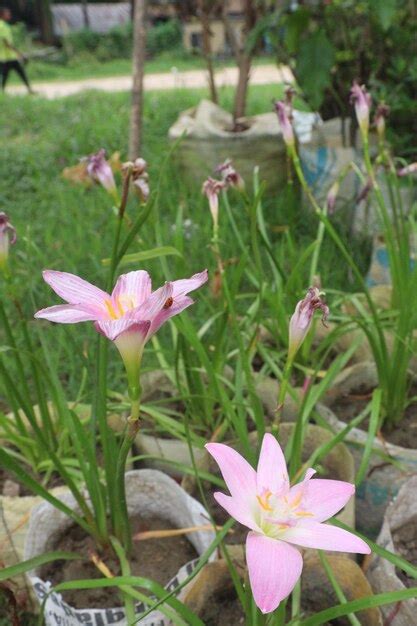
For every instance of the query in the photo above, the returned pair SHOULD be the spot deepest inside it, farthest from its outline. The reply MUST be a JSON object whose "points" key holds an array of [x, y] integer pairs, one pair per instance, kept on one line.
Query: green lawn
{"points": [[66, 227], [87, 66]]}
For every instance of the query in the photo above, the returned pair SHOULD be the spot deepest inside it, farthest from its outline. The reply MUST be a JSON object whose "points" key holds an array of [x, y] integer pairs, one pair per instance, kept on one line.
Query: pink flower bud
{"points": [[331, 197], [362, 102], [301, 320], [212, 188], [285, 123], [408, 169], [7, 238], [140, 177], [100, 171], [381, 115]]}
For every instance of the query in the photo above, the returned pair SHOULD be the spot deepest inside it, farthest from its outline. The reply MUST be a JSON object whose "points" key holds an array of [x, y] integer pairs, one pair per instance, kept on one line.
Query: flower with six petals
{"points": [[281, 517], [129, 316]]}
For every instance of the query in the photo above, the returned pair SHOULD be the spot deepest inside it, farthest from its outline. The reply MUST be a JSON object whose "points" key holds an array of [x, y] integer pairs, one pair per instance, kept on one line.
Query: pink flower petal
{"points": [[154, 304], [239, 476], [75, 290], [324, 498], [67, 314], [311, 534], [112, 329], [134, 285], [178, 305], [184, 286], [274, 568], [272, 471], [239, 509]]}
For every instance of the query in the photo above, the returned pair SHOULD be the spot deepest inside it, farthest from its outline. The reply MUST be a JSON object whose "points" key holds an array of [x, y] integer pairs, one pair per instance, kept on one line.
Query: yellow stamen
{"points": [[111, 310], [304, 514], [296, 502], [264, 501]]}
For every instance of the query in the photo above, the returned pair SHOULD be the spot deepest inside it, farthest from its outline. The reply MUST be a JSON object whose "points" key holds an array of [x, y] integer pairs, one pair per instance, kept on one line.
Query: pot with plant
{"points": [[207, 134], [100, 526], [392, 354]]}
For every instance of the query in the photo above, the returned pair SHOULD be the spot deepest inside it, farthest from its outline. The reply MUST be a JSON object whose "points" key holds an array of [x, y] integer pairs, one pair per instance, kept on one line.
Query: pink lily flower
{"points": [[129, 316], [285, 122], [280, 517], [302, 318], [7, 239], [99, 170], [362, 101]]}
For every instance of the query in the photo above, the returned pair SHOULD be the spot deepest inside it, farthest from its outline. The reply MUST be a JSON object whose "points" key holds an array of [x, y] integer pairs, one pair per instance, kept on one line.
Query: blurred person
{"points": [[10, 57]]}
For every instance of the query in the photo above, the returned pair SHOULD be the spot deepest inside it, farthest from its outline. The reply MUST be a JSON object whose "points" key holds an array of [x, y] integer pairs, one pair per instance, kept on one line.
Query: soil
{"points": [[11, 486], [224, 610], [404, 433], [156, 559], [405, 542]]}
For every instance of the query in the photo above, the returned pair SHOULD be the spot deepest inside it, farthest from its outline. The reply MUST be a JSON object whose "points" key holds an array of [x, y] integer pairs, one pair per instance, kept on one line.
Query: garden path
{"points": [[191, 79]]}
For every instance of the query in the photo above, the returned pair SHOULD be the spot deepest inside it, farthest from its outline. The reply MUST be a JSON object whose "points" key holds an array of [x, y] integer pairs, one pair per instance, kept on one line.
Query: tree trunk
{"points": [[242, 87], [44, 18], [243, 58], [139, 50], [207, 52], [85, 13]]}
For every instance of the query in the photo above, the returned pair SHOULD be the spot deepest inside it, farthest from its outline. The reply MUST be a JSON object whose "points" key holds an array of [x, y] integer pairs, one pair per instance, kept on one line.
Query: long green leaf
{"points": [[359, 605], [373, 425], [145, 255], [37, 561]]}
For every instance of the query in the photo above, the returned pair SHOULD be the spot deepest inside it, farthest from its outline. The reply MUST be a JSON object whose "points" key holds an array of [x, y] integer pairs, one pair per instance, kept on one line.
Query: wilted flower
{"points": [[7, 238], [381, 114], [281, 517], [301, 319], [285, 122], [211, 188], [229, 175], [408, 169], [129, 316], [331, 197], [364, 192], [140, 178], [99, 170], [362, 102]]}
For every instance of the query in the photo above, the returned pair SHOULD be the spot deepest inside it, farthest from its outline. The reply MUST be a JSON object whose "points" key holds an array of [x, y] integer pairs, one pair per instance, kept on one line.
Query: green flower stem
{"points": [[296, 602], [122, 525], [283, 388], [321, 227]]}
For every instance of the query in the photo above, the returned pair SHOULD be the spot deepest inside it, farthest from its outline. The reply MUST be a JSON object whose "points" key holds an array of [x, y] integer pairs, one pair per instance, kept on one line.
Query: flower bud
{"points": [[362, 102], [381, 115], [331, 197], [101, 172], [140, 177], [7, 238], [408, 169], [302, 318], [211, 188], [285, 123]]}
